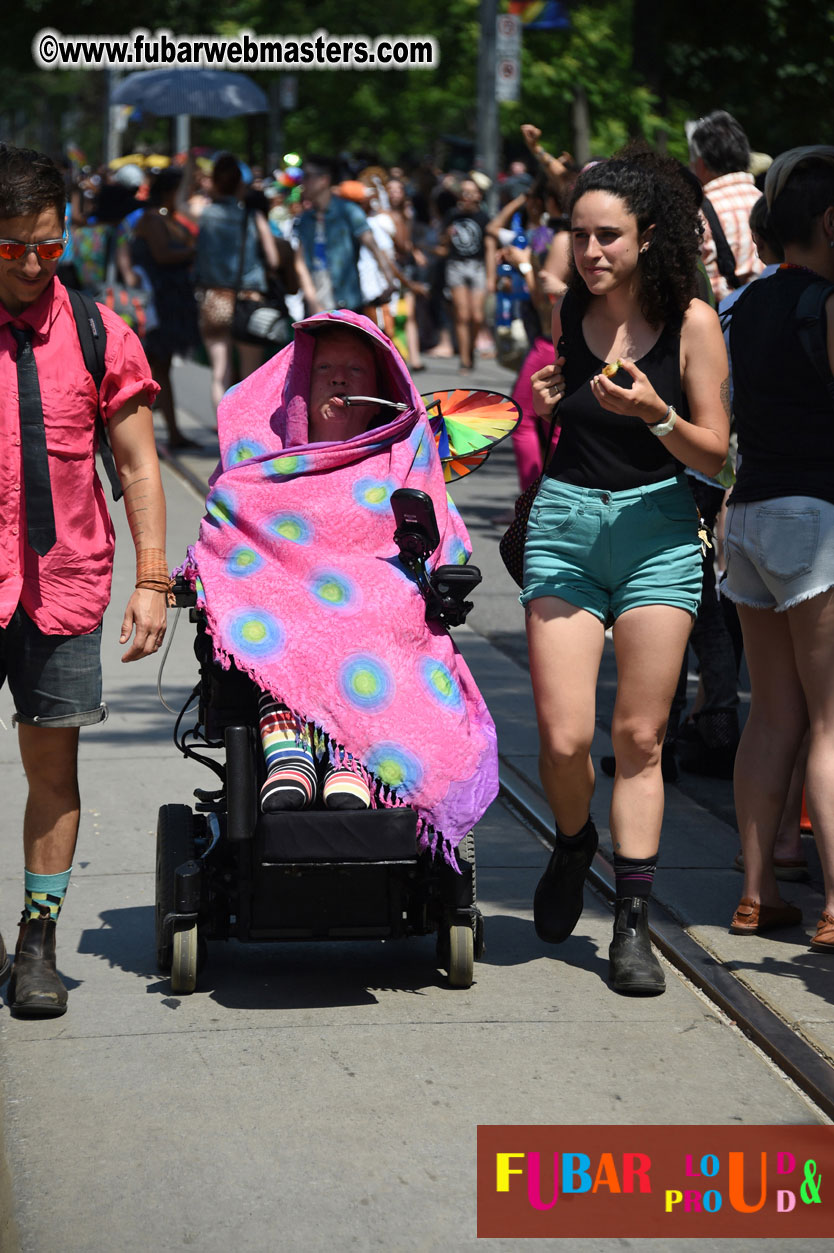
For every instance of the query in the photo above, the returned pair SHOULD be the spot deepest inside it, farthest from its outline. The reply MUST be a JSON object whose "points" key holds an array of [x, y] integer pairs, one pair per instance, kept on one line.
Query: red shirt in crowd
{"points": [[66, 591]]}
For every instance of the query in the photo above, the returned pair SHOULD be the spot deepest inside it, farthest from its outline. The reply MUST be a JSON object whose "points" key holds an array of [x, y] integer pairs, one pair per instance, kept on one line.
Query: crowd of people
{"points": [[173, 249], [634, 299]]}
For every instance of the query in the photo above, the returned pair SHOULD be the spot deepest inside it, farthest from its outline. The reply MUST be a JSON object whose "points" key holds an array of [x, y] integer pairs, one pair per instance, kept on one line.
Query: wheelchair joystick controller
{"points": [[446, 587]]}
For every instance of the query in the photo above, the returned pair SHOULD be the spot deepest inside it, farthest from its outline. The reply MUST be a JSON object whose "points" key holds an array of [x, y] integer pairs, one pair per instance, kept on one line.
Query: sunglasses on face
{"points": [[47, 249]]}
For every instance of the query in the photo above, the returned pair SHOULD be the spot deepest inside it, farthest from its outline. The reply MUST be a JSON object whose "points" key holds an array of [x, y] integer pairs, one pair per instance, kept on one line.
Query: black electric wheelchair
{"points": [[224, 870]]}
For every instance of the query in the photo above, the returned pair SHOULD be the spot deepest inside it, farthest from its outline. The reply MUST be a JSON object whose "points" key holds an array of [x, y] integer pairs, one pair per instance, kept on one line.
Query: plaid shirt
{"points": [[732, 196]]}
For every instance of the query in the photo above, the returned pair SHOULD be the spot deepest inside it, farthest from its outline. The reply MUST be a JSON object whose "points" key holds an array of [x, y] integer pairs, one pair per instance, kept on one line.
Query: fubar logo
{"points": [[552, 1182]]}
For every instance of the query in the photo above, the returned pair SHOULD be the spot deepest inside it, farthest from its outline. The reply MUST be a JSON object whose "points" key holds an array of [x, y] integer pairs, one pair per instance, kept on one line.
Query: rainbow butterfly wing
{"points": [[467, 425]]}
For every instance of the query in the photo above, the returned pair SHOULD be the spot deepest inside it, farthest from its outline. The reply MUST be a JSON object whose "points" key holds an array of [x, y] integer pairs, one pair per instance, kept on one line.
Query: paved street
{"points": [[318, 1097]]}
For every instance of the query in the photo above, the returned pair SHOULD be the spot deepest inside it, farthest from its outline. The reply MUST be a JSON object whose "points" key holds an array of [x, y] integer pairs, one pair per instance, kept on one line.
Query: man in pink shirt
{"points": [[56, 542], [720, 156]]}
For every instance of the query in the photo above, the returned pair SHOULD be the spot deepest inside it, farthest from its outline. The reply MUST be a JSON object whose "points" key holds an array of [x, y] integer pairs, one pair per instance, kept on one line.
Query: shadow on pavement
{"points": [[272, 976]]}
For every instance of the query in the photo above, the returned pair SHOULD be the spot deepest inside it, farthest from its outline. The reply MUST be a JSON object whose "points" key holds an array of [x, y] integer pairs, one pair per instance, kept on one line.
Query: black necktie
{"points": [[40, 517]]}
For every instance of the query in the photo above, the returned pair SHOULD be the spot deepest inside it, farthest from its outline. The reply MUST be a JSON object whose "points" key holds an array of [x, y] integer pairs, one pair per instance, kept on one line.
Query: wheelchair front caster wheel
{"points": [[461, 956], [185, 953]]}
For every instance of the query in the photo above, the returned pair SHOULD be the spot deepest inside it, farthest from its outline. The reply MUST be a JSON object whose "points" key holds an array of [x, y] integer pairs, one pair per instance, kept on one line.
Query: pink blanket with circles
{"points": [[297, 570]]}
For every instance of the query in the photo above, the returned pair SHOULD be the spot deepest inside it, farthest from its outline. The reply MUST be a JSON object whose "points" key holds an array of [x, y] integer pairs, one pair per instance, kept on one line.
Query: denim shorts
{"points": [[55, 680], [466, 273], [608, 552], [779, 552]]}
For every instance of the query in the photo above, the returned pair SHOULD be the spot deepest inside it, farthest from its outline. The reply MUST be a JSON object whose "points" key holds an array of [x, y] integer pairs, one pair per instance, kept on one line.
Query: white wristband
{"points": [[668, 423], [525, 267]]}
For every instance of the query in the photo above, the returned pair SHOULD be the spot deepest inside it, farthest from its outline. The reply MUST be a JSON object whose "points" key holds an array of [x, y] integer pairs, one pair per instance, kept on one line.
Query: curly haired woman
{"points": [[613, 533]]}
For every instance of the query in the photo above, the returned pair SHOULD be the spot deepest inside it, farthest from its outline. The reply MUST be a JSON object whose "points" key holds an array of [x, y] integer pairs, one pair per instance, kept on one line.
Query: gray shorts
{"points": [[470, 274], [779, 552], [55, 680]]}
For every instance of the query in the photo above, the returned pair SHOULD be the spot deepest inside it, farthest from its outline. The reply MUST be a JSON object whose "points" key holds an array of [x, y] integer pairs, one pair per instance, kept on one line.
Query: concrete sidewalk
{"points": [[314, 1097]]}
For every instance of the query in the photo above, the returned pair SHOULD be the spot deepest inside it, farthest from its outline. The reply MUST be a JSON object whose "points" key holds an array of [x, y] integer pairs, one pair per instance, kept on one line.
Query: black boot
{"points": [[5, 964], [712, 750], [633, 968], [35, 989], [559, 896]]}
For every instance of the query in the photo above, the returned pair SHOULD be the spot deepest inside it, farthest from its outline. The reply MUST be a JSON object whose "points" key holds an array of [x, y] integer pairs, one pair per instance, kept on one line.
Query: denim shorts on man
{"points": [[55, 680], [779, 552], [608, 552]]}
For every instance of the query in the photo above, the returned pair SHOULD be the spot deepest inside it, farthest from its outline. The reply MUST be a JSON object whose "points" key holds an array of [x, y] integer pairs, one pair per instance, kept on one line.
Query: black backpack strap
{"points": [[811, 329], [93, 340], [723, 252]]}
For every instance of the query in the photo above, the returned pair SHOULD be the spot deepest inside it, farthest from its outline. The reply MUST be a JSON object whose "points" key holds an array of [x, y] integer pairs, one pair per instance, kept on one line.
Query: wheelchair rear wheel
{"points": [[461, 967], [174, 845], [184, 959]]}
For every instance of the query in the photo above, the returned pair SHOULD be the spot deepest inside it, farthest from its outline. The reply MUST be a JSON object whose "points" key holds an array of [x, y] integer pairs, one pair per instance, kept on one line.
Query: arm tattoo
{"points": [[725, 396]]}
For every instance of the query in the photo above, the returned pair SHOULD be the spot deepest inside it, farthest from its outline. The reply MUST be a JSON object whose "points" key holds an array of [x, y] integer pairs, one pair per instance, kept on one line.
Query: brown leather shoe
{"points": [[751, 917], [823, 941], [35, 988]]}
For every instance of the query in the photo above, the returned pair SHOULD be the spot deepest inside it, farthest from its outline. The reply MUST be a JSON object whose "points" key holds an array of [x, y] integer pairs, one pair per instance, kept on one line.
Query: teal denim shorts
{"points": [[608, 552]]}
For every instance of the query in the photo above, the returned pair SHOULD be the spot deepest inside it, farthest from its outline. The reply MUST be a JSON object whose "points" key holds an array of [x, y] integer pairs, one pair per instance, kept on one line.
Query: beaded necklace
{"points": [[791, 265]]}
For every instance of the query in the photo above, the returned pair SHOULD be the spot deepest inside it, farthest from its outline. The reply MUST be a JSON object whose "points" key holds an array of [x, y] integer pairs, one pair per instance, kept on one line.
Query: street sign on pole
{"points": [[507, 57]]}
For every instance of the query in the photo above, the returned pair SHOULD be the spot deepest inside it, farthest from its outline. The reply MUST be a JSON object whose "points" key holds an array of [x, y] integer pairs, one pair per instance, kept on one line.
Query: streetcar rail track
{"points": [[794, 1056]]}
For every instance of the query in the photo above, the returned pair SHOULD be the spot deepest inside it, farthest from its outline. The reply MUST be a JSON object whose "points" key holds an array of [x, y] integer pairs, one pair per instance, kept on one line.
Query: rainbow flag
{"points": [[540, 14]]}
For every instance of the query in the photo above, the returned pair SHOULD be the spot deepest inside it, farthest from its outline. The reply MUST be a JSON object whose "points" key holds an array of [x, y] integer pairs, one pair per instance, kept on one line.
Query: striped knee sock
{"points": [[344, 788], [634, 875], [290, 769], [44, 894]]}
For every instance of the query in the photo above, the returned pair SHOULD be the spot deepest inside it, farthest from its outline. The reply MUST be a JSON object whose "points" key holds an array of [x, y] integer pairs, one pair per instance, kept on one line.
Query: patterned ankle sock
{"points": [[634, 875], [44, 892], [344, 788], [290, 769]]}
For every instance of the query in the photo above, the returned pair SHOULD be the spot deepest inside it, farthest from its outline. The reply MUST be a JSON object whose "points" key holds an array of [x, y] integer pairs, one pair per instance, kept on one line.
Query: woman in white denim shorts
{"points": [[780, 540]]}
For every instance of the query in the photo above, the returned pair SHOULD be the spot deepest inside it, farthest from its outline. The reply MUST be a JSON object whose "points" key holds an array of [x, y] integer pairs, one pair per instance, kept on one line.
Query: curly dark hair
{"points": [[654, 190], [29, 183]]}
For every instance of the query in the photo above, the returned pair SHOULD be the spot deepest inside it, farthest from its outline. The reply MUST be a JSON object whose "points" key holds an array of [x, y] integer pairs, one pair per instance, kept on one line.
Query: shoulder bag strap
{"points": [[810, 326], [723, 252], [92, 337], [244, 228], [571, 321]]}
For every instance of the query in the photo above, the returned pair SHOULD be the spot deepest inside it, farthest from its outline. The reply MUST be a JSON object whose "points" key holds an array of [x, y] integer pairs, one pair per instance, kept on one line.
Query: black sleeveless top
{"points": [[783, 413], [614, 451]]}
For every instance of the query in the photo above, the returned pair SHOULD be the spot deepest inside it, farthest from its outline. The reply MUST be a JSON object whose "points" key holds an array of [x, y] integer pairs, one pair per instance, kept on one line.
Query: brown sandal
{"points": [[823, 941]]}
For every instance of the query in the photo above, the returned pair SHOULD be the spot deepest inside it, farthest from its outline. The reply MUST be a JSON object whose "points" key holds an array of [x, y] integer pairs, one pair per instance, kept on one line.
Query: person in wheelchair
{"points": [[363, 701]]}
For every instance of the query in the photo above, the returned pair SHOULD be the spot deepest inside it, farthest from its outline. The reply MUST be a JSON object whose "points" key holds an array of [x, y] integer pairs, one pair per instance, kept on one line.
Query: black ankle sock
{"points": [[571, 841], [634, 875]]}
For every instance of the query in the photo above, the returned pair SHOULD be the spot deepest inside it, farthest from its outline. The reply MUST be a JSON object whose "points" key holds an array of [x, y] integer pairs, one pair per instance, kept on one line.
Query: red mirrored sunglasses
{"points": [[47, 249]]}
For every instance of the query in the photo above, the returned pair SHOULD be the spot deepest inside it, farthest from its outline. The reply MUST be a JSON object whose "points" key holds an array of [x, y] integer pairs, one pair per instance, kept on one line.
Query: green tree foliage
{"points": [[769, 62], [595, 54], [643, 65]]}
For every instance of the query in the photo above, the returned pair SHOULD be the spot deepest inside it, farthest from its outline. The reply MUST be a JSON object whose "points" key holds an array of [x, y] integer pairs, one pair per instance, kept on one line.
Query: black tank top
{"points": [[611, 450], [783, 413]]}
